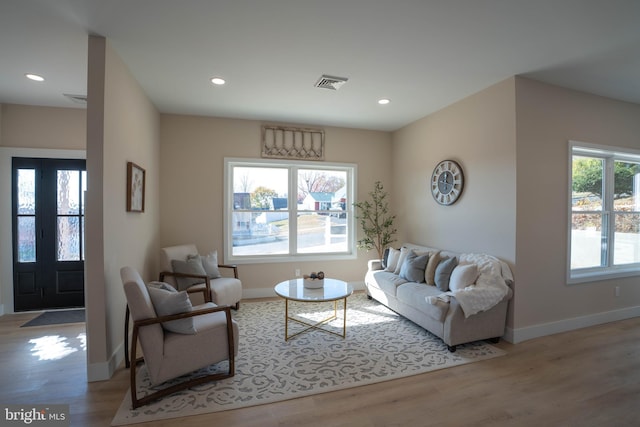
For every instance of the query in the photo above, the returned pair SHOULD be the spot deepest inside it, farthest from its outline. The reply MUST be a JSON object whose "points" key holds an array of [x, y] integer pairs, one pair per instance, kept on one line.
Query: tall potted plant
{"points": [[376, 221]]}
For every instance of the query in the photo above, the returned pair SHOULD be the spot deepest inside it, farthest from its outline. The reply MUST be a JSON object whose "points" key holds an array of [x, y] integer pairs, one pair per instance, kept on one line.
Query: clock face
{"points": [[447, 182]]}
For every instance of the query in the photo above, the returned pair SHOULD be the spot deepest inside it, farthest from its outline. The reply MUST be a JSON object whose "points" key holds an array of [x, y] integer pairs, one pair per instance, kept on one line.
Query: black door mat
{"points": [[57, 317]]}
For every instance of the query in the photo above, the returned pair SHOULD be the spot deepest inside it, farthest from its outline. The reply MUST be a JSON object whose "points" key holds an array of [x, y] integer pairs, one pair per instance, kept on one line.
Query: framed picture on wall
{"points": [[135, 188]]}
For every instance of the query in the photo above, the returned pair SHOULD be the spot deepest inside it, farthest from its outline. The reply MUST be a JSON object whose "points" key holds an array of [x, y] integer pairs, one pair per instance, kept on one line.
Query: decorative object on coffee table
{"points": [[314, 280]]}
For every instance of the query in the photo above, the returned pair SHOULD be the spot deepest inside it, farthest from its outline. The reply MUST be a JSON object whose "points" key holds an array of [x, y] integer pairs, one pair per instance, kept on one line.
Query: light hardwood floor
{"points": [[589, 377]]}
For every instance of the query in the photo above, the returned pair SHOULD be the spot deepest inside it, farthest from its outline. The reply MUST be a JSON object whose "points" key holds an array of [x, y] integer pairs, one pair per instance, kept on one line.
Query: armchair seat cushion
{"points": [[414, 295], [226, 290], [212, 328]]}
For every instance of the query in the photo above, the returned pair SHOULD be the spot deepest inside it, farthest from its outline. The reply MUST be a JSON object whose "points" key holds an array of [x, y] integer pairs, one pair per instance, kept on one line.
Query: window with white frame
{"points": [[278, 210], [604, 212]]}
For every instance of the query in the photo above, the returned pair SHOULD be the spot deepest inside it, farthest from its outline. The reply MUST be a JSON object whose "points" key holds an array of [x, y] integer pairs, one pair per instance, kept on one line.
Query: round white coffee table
{"points": [[333, 290]]}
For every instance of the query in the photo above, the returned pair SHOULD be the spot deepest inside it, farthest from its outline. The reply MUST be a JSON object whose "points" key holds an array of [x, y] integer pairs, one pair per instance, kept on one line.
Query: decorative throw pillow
{"points": [[413, 267], [430, 271], [443, 273], [403, 254], [463, 276], [392, 260], [190, 266], [168, 302], [210, 265], [161, 285], [385, 257]]}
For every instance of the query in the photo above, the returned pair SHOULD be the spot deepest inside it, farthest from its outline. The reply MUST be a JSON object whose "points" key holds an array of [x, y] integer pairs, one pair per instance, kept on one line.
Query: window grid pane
{"points": [[321, 234], [68, 189], [587, 181], [26, 191], [68, 241], [27, 239], [627, 239], [587, 240]]}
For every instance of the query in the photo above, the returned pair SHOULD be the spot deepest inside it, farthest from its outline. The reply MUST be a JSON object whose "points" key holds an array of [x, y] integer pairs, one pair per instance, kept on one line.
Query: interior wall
{"points": [[123, 126], [547, 118], [31, 131], [479, 133], [192, 187], [30, 126]]}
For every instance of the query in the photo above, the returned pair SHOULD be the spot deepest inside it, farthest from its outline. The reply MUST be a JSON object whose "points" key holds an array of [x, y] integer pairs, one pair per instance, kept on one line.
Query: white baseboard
{"points": [[104, 371], [530, 332], [269, 292]]}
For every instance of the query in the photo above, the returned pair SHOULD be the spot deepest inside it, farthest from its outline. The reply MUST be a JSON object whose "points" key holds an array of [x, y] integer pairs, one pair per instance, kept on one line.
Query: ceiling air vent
{"points": [[330, 82], [78, 99]]}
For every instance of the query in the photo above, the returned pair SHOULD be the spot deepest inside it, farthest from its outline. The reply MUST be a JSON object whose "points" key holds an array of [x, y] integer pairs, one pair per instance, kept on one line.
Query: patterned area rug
{"points": [[379, 346]]}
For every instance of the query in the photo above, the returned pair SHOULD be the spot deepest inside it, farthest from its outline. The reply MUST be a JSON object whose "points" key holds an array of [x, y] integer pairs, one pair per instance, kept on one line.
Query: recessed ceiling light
{"points": [[217, 81], [34, 77], [384, 101]]}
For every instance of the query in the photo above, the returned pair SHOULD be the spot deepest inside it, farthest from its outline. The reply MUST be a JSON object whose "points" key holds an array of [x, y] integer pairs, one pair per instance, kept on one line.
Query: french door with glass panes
{"points": [[48, 233]]}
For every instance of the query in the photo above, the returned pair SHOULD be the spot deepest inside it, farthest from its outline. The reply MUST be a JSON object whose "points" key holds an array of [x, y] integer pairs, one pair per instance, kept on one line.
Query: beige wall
{"points": [[43, 127], [192, 186], [122, 126], [479, 133], [547, 118]]}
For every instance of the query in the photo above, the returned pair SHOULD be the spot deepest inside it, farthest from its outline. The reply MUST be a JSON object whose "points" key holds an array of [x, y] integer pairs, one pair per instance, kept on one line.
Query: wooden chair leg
{"points": [[127, 362]]}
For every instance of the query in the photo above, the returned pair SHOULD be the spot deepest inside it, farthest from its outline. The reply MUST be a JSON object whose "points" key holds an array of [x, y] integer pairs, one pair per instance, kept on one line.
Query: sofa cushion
{"points": [[404, 251], [463, 276], [413, 267], [415, 295], [430, 271], [443, 273], [392, 259], [385, 257], [384, 280]]}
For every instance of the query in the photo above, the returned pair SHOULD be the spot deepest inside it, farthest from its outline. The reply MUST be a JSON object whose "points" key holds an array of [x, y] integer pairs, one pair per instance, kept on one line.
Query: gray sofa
{"points": [[465, 313]]}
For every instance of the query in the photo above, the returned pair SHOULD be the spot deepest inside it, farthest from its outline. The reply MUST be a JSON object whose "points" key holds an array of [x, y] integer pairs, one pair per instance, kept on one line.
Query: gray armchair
{"points": [[220, 290], [212, 337]]}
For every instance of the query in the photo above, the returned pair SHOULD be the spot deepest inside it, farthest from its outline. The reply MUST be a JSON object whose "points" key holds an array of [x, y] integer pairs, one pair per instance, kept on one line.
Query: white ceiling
{"points": [[423, 55]]}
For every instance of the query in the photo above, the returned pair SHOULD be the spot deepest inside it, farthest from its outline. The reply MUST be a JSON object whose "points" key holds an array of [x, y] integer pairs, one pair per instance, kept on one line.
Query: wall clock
{"points": [[447, 182]]}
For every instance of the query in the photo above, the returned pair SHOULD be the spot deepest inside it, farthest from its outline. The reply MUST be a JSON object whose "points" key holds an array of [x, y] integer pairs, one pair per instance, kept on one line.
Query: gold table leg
{"points": [[317, 325]]}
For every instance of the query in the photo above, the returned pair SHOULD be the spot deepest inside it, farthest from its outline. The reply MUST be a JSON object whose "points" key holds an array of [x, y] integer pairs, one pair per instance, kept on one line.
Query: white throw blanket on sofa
{"points": [[490, 287]]}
